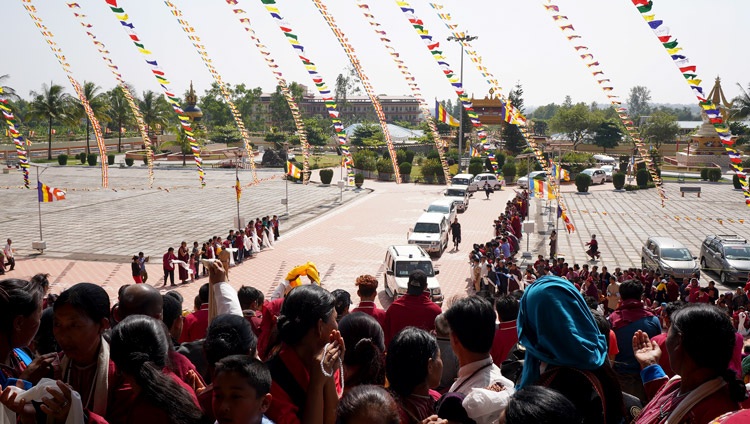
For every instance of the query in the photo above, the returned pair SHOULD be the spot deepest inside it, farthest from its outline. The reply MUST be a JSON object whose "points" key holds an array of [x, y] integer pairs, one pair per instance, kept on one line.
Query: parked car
{"points": [[400, 261], [430, 232], [597, 175], [669, 257], [444, 206], [728, 256], [478, 182], [523, 182], [464, 180], [608, 171], [459, 196]]}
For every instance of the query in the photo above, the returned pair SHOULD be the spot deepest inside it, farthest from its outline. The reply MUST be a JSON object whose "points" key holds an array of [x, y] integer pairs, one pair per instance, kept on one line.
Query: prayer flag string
{"points": [[18, 140], [320, 84], [690, 73], [161, 78], [201, 49], [595, 69], [411, 82], [284, 87], [365, 83], [509, 112], [49, 38], [142, 129]]}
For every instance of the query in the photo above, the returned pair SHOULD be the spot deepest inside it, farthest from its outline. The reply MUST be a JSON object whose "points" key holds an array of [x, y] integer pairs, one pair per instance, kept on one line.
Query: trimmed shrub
{"points": [[409, 155], [82, 157], [431, 169], [583, 181], [704, 174], [110, 159], [129, 161], [618, 180], [365, 160], [433, 154], [91, 159], [145, 159], [642, 177], [630, 187], [509, 171], [714, 174], [736, 181], [476, 168], [384, 166], [62, 159], [326, 175], [405, 169], [359, 179]]}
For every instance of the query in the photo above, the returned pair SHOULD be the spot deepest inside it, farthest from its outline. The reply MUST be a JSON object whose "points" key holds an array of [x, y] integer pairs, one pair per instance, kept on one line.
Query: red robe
{"points": [[410, 310], [195, 325], [370, 308]]}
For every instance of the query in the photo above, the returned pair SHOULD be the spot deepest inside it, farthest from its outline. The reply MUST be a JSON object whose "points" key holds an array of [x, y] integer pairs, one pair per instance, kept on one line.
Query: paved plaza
{"points": [[92, 234]]}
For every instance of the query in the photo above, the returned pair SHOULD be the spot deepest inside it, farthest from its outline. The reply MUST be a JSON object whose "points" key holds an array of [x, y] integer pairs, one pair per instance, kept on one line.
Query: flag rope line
{"points": [[18, 139]]}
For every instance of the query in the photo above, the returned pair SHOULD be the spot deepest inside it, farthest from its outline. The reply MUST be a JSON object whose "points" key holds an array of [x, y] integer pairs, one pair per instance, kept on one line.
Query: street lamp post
{"points": [[463, 38]]}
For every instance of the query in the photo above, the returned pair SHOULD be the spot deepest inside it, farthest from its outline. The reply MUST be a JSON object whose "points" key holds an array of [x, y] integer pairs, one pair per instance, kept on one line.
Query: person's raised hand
{"points": [[434, 419], [646, 351], [9, 398], [40, 367], [58, 405], [216, 273], [194, 381]]}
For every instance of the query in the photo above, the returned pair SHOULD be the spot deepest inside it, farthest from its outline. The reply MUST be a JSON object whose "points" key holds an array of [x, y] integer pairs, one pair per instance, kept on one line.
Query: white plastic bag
{"points": [[38, 393]]}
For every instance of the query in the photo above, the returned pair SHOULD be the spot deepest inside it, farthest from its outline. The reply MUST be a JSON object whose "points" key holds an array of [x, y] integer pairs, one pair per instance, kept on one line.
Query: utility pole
{"points": [[464, 38]]}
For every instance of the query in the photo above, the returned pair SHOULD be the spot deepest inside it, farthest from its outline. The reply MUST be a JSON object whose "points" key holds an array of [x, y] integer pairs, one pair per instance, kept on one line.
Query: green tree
{"points": [[573, 121], [638, 102], [99, 103], [119, 113], [281, 115], [216, 112], [545, 112], [365, 134], [741, 104], [660, 128], [514, 141], [540, 127], [607, 134], [319, 132], [53, 105], [7, 92], [741, 131], [225, 134], [155, 111]]}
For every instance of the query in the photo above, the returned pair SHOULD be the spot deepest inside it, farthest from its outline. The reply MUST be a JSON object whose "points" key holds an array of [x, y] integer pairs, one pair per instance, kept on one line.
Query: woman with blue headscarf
{"points": [[566, 351]]}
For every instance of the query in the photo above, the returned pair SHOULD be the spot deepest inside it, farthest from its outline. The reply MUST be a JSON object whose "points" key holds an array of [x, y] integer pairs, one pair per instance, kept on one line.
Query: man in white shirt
{"points": [[472, 324], [8, 252]]}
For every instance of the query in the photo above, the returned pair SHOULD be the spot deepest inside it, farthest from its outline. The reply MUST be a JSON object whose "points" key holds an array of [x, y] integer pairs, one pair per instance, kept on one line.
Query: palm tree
{"points": [[119, 112], [51, 104], [7, 92], [741, 104], [99, 105], [154, 109]]}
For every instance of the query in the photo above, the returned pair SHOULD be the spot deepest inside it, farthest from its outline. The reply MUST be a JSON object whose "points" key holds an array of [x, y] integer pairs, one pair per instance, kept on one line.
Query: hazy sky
{"points": [[518, 40]]}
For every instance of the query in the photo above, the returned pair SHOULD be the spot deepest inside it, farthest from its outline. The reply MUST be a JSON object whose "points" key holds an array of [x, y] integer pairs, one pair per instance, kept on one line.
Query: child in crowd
{"points": [[242, 387]]}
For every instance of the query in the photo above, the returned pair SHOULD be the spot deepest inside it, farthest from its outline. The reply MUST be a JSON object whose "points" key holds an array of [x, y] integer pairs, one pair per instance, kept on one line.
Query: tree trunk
{"points": [[88, 149], [49, 140], [183, 159]]}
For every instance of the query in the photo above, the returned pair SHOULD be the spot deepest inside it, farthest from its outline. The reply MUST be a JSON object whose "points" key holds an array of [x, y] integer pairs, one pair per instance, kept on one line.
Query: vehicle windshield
{"points": [[460, 181], [404, 268], [439, 208], [455, 192], [426, 227], [537, 175], [737, 253], [676, 254], [607, 168], [587, 172]]}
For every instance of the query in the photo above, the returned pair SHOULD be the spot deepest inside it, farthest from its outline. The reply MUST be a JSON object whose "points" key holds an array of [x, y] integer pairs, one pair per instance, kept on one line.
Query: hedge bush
{"points": [[583, 181], [431, 169], [618, 180], [129, 161], [384, 166], [62, 159], [704, 174], [359, 179], [365, 160], [326, 175], [405, 169], [476, 168], [91, 159], [714, 174], [82, 157], [736, 181], [509, 171], [110, 159], [642, 177]]}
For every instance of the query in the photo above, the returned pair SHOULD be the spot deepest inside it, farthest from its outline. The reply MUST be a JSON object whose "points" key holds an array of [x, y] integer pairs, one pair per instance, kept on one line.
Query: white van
{"points": [[400, 261], [430, 232], [464, 180], [446, 206], [478, 182]]}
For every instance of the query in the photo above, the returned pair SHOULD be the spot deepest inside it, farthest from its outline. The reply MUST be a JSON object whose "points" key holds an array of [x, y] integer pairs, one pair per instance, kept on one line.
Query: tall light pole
{"points": [[461, 40]]}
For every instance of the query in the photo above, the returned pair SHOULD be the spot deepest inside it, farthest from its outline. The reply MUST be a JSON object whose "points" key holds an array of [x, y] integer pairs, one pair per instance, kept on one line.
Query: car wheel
{"points": [[643, 263], [703, 264], [724, 279]]}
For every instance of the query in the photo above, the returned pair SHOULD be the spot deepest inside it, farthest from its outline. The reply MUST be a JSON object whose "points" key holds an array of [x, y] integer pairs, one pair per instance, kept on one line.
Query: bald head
{"points": [[140, 299]]}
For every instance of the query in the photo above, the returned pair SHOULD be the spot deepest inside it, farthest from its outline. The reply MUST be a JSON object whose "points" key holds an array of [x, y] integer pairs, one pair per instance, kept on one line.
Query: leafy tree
{"points": [[638, 102], [660, 128], [607, 134], [281, 115], [119, 112], [319, 131], [741, 104], [248, 104], [741, 131], [367, 134], [573, 121], [216, 112], [512, 136], [7, 92], [225, 134], [545, 112], [540, 127], [53, 105], [155, 111], [99, 103]]}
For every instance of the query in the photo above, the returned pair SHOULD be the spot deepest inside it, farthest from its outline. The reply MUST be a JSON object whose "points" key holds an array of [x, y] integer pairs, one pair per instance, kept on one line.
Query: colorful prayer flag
{"points": [[292, 170], [238, 189], [49, 194], [443, 116]]}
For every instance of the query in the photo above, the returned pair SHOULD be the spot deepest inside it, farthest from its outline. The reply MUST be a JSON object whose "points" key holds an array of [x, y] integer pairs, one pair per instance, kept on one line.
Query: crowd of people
{"points": [[552, 343]]}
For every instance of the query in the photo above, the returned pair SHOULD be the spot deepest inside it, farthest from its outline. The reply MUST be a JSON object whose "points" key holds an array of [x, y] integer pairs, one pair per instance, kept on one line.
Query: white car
{"points": [[430, 232], [463, 180], [608, 171], [460, 197], [523, 182], [445, 206], [478, 182], [400, 261], [597, 175]]}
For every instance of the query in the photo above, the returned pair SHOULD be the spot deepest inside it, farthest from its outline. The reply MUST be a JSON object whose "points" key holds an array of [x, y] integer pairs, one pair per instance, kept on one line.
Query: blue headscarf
{"points": [[557, 327]]}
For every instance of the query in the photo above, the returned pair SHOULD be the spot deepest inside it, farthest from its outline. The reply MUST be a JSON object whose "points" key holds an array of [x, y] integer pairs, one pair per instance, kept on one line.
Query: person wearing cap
{"points": [[367, 290], [415, 308]]}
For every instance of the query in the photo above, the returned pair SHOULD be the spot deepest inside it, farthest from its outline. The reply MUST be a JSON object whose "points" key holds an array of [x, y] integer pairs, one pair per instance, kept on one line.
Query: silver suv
{"points": [[668, 257], [728, 255]]}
